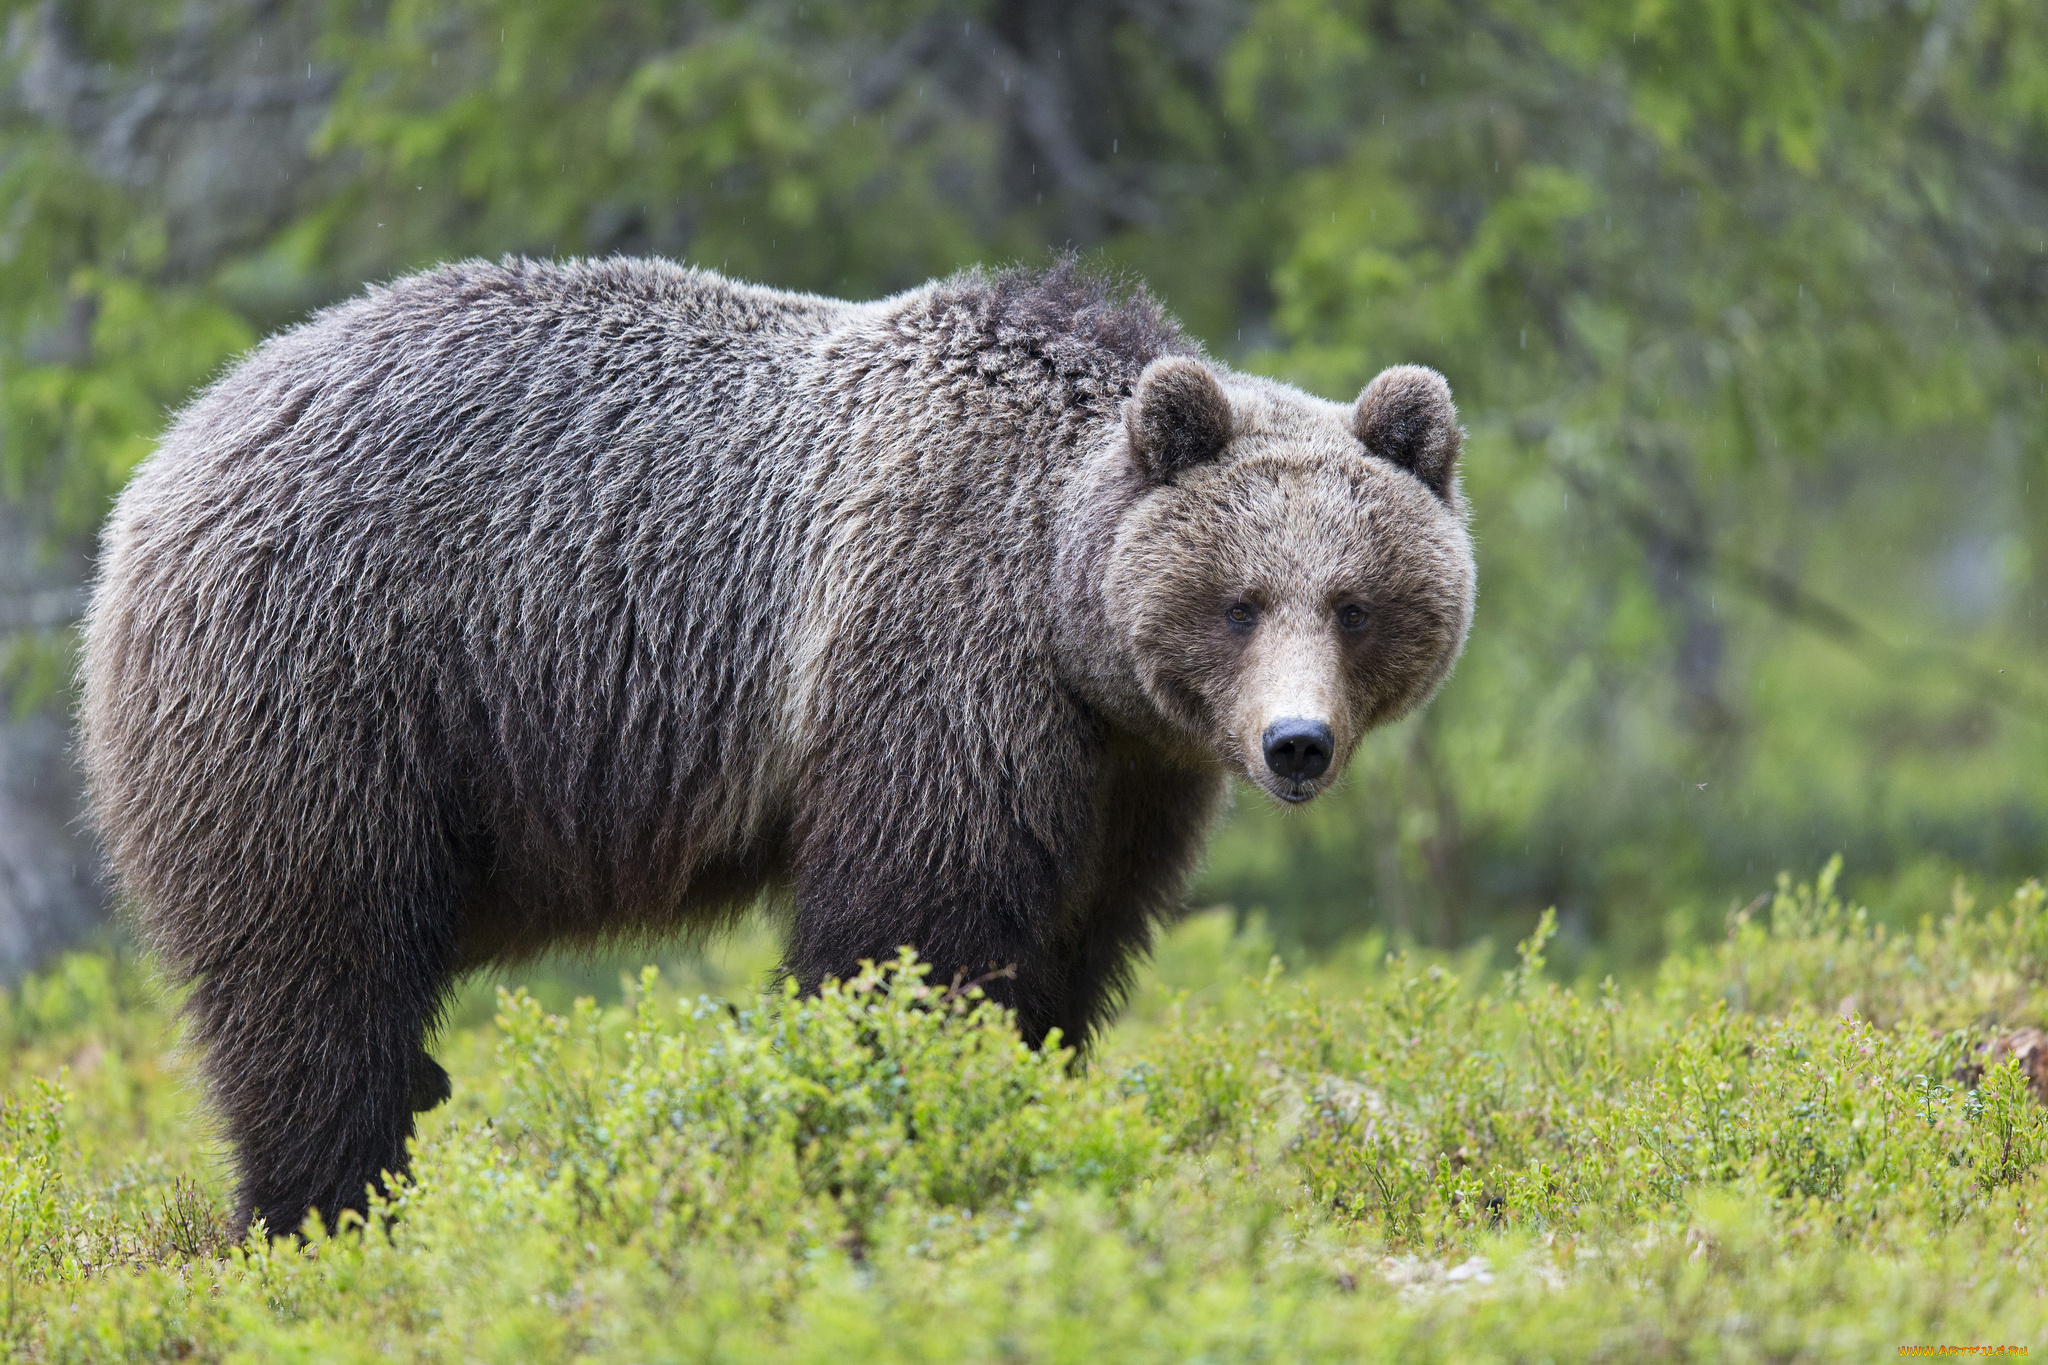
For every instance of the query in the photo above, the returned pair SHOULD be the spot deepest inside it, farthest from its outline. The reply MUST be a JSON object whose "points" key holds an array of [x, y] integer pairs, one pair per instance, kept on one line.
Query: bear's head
{"points": [[1291, 572]]}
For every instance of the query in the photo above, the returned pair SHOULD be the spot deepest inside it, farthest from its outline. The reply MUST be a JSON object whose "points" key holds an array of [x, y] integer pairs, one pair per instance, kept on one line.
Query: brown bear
{"points": [[526, 604]]}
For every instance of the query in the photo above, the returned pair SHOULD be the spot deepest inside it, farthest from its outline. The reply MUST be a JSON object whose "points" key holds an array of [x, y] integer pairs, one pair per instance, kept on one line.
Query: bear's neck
{"points": [[1097, 658]]}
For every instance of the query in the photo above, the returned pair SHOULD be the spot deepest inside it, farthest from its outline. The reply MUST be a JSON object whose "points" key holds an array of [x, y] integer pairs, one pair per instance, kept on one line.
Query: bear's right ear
{"points": [[1405, 415], [1177, 417]]}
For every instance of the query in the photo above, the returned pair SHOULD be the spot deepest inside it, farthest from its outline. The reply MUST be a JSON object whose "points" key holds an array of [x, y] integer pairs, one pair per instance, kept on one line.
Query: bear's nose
{"points": [[1298, 750]]}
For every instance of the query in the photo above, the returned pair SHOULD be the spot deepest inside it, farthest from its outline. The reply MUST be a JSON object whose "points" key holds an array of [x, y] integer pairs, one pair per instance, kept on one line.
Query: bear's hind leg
{"points": [[316, 1067]]}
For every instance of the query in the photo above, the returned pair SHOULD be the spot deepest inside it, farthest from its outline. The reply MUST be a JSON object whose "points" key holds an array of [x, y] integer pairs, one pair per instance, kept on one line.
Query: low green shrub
{"points": [[1790, 1143], [661, 1123]]}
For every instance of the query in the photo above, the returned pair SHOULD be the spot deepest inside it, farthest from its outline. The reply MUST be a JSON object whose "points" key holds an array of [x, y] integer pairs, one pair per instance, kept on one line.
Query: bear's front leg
{"points": [[1147, 840], [983, 915], [969, 858]]}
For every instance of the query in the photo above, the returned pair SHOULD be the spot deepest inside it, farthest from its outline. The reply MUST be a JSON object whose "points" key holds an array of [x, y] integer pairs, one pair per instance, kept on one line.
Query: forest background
{"points": [[1745, 303]]}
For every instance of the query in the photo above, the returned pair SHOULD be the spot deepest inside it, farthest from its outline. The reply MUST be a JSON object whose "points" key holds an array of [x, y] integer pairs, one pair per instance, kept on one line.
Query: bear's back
{"points": [[475, 421], [489, 368]]}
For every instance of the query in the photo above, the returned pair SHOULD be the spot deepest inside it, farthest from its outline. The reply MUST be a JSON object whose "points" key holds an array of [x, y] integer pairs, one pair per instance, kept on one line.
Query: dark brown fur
{"points": [[526, 604]]}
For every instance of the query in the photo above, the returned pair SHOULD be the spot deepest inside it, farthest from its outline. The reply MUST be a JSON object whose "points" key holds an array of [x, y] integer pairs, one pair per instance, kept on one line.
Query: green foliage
{"points": [[31, 1183], [729, 132], [1696, 271], [1393, 1157], [1743, 303], [1963, 970], [97, 346], [881, 1088]]}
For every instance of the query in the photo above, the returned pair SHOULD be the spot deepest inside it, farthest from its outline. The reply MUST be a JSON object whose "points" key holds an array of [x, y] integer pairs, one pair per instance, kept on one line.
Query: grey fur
{"points": [[526, 604]]}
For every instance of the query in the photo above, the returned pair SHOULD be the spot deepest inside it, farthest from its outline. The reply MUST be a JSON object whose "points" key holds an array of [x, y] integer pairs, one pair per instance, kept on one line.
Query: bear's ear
{"points": [[1178, 417], [1405, 416]]}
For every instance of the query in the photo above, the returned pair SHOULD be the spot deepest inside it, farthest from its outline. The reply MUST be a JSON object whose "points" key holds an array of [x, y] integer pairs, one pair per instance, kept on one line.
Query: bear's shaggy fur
{"points": [[527, 604]]}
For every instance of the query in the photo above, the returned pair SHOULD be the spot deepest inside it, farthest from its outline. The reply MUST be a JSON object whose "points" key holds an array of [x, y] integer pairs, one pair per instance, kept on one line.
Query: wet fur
{"points": [[527, 604]]}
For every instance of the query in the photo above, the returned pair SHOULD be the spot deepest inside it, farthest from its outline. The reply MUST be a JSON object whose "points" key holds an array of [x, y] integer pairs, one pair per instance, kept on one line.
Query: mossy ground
{"points": [[1786, 1145]]}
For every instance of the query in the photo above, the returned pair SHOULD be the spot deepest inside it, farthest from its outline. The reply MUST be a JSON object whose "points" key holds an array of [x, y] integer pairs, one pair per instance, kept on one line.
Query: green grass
{"points": [[1787, 1144]]}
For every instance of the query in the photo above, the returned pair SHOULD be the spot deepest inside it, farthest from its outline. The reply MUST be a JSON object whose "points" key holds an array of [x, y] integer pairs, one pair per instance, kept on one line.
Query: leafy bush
{"points": [[1374, 1157], [1965, 969], [880, 1087]]}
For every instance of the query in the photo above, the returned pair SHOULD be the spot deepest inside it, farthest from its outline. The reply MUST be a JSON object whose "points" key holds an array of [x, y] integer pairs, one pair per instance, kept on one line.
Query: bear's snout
{"points": [[1298, 750]]}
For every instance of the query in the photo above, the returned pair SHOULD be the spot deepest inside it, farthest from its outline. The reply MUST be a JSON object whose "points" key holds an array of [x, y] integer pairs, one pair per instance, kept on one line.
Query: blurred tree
{"points": [[140, 144], [1742, 299], [1745, 302]]}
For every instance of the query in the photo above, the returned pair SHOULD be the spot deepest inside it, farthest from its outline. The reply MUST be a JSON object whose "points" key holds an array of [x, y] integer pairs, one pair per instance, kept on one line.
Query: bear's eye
{"points": [[1351, 616], [1242, 614]]}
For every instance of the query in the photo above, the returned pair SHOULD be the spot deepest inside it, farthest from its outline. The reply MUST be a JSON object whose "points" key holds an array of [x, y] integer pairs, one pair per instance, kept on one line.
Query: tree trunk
{"points": [[52, 890]]}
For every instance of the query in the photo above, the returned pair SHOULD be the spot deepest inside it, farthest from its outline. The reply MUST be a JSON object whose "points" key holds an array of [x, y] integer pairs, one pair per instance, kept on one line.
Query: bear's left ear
{"points": [[1405, 416], [1177, 417]]}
